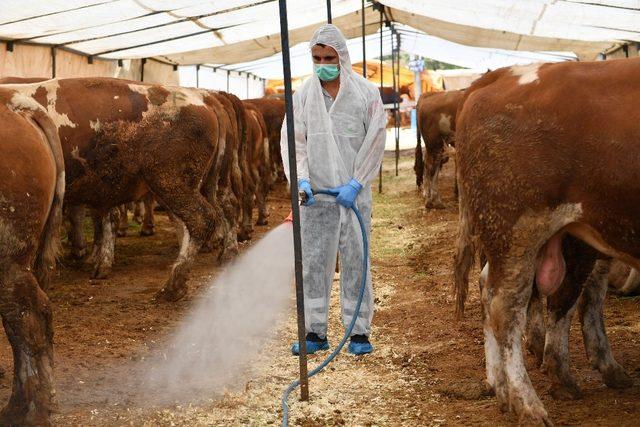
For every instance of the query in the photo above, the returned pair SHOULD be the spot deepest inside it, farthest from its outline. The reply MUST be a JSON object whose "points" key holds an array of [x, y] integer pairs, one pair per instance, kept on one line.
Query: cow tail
{"points": [[464, 259], [49, 248]]}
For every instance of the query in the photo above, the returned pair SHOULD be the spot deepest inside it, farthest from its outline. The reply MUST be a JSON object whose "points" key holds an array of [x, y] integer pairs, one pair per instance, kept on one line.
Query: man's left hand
{"points": [[346, 194]]}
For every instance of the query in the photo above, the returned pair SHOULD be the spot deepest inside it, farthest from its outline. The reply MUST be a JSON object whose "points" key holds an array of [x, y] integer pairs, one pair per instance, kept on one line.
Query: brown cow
{"points": [[259, 164], [543, 150], [120, 138], [31, 193], [273, 113], [436, 115]]}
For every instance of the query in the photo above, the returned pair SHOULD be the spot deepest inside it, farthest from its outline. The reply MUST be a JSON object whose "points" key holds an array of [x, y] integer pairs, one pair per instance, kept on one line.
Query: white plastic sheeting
{"points": [[473, 57], [562, 25], [411, 41], [234, 31], [242, 85]]}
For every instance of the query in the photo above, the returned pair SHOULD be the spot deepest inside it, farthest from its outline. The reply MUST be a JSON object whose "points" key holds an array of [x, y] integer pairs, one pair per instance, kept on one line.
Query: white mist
{"points": [[236, 316]]}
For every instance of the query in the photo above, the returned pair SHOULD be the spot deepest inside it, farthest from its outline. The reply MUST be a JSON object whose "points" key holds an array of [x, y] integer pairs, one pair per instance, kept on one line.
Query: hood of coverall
{"points": [[330, 35]]}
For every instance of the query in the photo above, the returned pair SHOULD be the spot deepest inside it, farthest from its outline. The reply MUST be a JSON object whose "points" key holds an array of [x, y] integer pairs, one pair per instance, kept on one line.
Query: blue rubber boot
{"points": [[360, 344], [314, 344]]}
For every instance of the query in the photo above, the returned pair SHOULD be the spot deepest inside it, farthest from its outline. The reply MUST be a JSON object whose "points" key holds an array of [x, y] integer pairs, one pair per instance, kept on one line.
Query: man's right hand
{"points": [[305, 186]]}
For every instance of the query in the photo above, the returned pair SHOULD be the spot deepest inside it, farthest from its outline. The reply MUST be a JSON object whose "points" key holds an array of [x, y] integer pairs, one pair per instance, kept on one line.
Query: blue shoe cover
{"points": [[359, 348], [312, 347]]}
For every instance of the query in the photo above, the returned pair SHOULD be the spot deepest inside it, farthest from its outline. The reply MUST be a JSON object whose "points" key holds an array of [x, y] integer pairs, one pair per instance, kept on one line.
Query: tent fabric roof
{"points": [[412, 42], [234, 31]]}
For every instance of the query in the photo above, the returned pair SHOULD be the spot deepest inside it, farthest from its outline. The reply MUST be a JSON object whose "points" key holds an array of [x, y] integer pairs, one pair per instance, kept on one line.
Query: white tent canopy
{"points": [[411, 41], [235, 31]]}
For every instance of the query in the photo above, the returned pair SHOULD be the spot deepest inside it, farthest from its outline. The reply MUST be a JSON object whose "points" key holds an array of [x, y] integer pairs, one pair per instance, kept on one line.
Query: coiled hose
{"points": [[347, 332]]}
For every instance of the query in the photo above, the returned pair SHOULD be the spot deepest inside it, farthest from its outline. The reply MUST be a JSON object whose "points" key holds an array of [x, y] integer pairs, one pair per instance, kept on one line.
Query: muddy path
{"points": [[426, 369]]}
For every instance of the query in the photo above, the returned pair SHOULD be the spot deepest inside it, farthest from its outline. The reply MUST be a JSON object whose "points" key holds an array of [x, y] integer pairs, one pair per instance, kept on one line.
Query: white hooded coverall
{"points": [[331, 148]]}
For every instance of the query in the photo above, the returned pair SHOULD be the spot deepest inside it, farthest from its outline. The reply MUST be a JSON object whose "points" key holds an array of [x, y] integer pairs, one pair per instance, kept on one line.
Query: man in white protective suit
{"points": [[339, 124]]}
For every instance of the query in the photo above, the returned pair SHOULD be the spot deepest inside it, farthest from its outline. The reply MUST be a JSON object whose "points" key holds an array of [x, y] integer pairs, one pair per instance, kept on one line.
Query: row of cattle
{"points": [[548, 170], [206, 156]]}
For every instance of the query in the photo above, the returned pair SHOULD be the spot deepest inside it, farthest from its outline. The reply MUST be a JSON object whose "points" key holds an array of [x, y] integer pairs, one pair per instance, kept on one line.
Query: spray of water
{"points": [[226, 329]]}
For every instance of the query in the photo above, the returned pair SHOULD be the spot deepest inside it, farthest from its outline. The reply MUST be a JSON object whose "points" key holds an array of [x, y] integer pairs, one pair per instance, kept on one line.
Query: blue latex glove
{"points": [[347, 193], [305, 186]]}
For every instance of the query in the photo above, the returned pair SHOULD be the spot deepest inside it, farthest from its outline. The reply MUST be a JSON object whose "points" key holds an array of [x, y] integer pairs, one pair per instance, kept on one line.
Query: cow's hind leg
{"points": [[123, 221], [556, 350], [148, 222], [199, 218], [561, 305], [230, 207], [535, 329], [26, 316], [76, 214], [593, 331], [104, 246], [508, 293], [138, 211], [262, 188], [433, 164]]}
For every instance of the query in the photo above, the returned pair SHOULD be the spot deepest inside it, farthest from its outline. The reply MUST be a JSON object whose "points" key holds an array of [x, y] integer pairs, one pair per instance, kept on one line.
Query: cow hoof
{"points": [[535, 416], [137, 219], [121, 233], [100, 273], [14, 415], [616, 377], [262, 221], [243, 236], [145, 232], [565, 392], [228, 253], [488, 389], [434, 205], [79, 254], [171, 294]]}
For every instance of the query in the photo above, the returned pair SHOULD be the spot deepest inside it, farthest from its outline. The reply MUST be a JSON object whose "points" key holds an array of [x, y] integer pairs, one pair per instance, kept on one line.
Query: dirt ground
{"points": [[426, 369]]}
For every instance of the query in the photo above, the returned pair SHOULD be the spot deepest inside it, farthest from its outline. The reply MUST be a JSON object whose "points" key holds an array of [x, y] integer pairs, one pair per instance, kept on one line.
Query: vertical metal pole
{"points": [[248, 86], [328, 11], [198, 75], [293, 176], [394, 53], [53, 62], [364, 46], [228, 73], [398, 121], [381, 86], [142, 62]]}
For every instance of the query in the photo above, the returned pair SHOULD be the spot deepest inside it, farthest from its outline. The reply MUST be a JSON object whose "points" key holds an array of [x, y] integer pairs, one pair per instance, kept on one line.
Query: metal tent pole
{"points": [[381, 86], [394, 53], [328, 11], [398, 121], [293, 175], [364, 46]]}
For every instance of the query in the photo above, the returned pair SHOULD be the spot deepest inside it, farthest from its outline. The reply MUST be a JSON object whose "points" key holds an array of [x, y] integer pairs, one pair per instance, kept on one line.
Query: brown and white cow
{"points": [[121, 138], [31, 193], [259, 159], [272, 110], [543, 151], [436, 113]]}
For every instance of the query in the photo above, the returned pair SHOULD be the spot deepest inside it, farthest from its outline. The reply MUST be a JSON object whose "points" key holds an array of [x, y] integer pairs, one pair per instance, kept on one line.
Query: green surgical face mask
{"points": [[326, 72]]}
